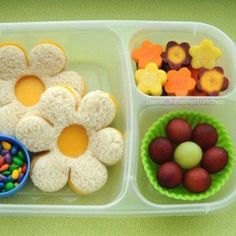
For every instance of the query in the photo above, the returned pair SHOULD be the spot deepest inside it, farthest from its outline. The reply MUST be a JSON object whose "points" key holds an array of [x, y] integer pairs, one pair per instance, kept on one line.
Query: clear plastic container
{"points": [[100, 51]]}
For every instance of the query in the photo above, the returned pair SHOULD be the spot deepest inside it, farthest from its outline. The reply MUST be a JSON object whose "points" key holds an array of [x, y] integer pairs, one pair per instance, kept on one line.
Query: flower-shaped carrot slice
{"points": [[204, 55], [147, 53], [150, 79], [179, 83], [176, 55], [212, 81]]}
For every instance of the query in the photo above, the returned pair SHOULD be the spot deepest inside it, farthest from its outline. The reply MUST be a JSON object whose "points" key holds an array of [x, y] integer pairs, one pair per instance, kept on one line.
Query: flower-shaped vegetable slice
{"points": [[212, 81], [179, 83], [204, 55], [176, 55], [150, 79], [147, 53], [23, 80], [74, 133]]}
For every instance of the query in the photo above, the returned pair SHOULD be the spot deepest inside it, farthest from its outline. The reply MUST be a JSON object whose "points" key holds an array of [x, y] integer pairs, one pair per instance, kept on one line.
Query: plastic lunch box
{"points": [[100, 52]]}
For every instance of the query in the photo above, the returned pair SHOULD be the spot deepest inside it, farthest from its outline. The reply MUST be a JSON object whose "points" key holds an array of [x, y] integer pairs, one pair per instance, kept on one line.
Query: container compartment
{"points": [[96, 54], [148, 116], [191, 33], [101, 52]]}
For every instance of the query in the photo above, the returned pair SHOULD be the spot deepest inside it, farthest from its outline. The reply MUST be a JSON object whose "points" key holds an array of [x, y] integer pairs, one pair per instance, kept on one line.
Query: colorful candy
{"points": [[15, 174], [6, 145], [4, 152], [4, 167], [18, 161], [9, 186], [21, 155], [6, 173], [8, 158], [24, 168], [13, 166], [14, 150], [21, 177], [2, 160], [1, 185], [2, 177]]}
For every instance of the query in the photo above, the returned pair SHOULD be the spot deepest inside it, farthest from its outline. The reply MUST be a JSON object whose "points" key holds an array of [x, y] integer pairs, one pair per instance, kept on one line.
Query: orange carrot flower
{"points": [[148, 52], [179, 83]]}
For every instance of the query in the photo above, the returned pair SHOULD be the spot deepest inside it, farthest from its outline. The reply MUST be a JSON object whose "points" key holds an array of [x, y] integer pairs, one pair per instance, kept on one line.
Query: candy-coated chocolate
{"points": [[2, 185], [8, 179], [14, 150], [8, 158], [2, 177], [4, 152], [2, 161], [20, 170], [15, 174], [13, 167], [6, 172], [6, 145], [24, 168], [21, 177], [9, 186], [18, 161], [21, 155], [4, 167]]}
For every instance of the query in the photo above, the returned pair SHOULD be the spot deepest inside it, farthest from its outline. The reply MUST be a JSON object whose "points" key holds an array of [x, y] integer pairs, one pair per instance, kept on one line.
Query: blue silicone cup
{"points": [[17, 143]]}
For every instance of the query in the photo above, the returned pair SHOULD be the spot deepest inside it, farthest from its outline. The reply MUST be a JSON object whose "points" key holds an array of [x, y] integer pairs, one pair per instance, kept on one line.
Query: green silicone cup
{"points": [[194, 118]]}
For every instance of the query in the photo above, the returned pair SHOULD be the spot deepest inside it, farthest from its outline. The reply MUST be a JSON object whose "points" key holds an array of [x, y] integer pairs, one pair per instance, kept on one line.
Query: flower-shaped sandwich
{"points": [[23, 79], [74, 134], [151, 79]]}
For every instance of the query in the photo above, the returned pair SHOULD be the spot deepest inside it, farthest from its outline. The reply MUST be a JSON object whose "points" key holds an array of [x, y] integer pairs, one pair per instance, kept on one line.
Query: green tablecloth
{"points": [[222, 14]]}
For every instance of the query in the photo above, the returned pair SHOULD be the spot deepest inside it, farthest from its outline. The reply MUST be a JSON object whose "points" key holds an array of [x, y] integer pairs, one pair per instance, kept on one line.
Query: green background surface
{"points": [[221, 14]]}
